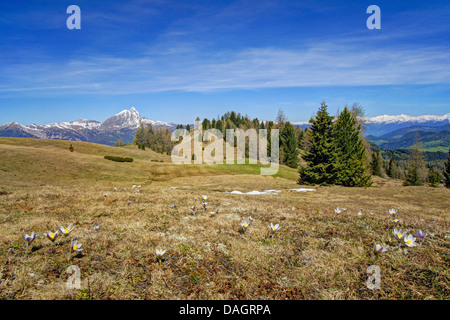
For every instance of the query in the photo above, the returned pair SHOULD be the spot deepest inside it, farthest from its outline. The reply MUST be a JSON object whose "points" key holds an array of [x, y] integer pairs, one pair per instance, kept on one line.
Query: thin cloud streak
{"points": [[324, 64]]}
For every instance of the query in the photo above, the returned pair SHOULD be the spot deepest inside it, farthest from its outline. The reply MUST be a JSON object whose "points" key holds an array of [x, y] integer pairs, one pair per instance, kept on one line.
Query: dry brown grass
{"points": [[315, 255]]}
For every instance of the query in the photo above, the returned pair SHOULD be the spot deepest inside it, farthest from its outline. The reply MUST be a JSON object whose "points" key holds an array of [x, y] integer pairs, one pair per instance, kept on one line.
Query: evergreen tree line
{"points": [[157, 139], [290, 137], [415, 169]]}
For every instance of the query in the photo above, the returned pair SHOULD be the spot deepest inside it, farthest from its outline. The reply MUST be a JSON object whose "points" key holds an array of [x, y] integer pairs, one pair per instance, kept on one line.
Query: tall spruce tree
{"points": [[392, 169], [351, 170], [289, 143], [375, 164], [321, 154], [447, 171], [433, 177], [416, 170]]}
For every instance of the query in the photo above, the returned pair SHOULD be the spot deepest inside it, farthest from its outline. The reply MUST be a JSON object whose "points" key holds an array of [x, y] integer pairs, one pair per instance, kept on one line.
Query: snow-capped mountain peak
{"points": [[124, 119], [405, 118]]}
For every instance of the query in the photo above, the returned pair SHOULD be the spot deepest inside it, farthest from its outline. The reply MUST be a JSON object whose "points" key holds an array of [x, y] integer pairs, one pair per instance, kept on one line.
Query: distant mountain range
{"points": [[385, 124], [120, 126], [388, 132], [401, 132]]}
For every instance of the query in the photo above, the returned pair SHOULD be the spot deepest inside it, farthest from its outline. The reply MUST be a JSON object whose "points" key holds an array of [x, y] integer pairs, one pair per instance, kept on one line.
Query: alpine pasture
{"points": [[149, 229]]}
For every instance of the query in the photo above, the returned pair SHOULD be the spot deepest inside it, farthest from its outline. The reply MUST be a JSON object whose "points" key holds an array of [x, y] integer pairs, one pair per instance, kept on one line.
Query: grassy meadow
{"points": [[316, 254]]}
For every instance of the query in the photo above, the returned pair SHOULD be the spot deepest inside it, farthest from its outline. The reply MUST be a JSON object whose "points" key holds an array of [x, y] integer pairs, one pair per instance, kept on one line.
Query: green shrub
{"points": [[118, 159]]}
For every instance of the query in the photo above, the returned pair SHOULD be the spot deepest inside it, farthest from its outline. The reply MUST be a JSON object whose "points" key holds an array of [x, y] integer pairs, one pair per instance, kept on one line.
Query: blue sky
{"points": [[176, 60]]}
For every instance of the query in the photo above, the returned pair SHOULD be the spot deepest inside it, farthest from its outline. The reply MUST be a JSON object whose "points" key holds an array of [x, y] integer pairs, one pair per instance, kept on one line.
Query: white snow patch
{"points": [[302, 190], [254, 192]]}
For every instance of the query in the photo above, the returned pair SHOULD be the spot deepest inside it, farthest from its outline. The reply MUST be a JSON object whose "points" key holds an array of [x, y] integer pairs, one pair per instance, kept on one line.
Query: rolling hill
{"points": [[29, 161]]}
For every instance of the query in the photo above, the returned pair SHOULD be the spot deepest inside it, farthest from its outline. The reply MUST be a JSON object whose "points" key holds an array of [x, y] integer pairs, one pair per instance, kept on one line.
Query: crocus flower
{"points": [[421, 234], [66, 231], [193, 209], [128, 202], [213, 213], [396, 220], [174, 206], [250, 219], [274, 228], [29, 238], [359, 213], [410, 241], [337, 210], [204, 197], [398, 234], [75, 246], [96, 228], [393, 211], [204, 205], [160, 252], [52, 235], [379, 249], [244, 224]]}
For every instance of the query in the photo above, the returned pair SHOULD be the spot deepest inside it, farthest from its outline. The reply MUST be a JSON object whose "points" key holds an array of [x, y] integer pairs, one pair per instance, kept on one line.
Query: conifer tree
{"points": [[351, 170], [433, 177], [447, 171], [321, 154], [392, 169], [414, 176], [375, 163], [288, 144]]}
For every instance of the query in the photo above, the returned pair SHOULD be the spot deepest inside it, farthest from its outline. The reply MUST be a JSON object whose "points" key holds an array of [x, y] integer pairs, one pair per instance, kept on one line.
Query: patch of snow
{"points": [[302, 190], [254, 192]]}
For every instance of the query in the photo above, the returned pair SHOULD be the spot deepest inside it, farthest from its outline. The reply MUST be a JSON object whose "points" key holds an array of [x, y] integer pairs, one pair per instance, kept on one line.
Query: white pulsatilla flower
{"points": [[396, 220], [204, 204], [160, 252], [398, 234], [245, 224], [66, 231], [96, 228], [52, 235], [360, 213], [75, 246], [410, 241], [213, 213], [379, 249], [273, 228], [250, 219], [393, 211], [337, 210], [204, 197]]}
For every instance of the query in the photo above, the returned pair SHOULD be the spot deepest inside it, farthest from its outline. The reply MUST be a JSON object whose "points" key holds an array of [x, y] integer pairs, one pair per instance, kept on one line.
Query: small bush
{"points": [[118, 159]]}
